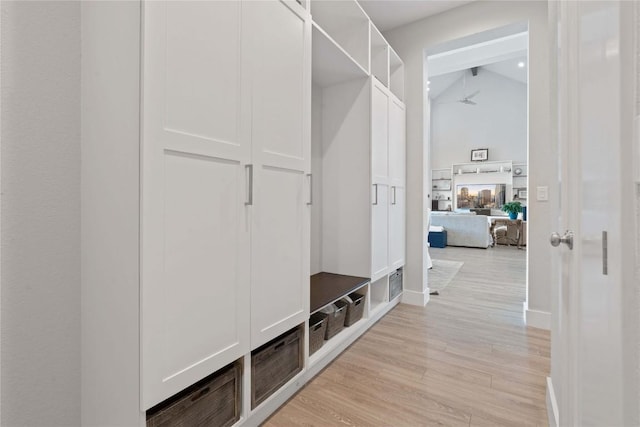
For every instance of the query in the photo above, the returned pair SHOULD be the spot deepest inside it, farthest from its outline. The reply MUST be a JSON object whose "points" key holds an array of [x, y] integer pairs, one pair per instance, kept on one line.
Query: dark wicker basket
{"points": [[214, 401], [317, 329], [335, 320], [275, 363], [355, 309]]}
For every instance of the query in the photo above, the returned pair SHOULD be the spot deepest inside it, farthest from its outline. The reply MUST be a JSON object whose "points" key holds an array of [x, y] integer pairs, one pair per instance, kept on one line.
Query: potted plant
{"points": [[513, 209]]}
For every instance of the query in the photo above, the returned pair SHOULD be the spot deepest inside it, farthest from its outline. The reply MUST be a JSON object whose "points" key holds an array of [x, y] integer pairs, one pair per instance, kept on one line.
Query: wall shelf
{"points": [[396, 74], [347, 24], [379, 56], [331, 64]]}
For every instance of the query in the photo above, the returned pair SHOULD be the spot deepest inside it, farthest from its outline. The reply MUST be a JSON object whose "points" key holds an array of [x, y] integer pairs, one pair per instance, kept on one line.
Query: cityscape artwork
{"points": [[481, 196]]}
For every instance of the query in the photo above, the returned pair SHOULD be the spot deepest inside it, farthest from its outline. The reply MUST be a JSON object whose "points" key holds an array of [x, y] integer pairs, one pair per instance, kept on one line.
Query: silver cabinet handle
{"points": [[310, 202], [605, 253], [375, 202], [249, 169], [394, 195]]}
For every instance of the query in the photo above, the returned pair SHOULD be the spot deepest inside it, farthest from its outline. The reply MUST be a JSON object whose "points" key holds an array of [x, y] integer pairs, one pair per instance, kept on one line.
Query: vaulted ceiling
{"points": [[390, 14]]}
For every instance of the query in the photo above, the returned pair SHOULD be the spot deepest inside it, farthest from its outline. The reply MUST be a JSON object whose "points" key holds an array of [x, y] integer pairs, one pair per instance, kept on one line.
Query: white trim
{"points": [[415, 298], [552, 405], [536, 318]]}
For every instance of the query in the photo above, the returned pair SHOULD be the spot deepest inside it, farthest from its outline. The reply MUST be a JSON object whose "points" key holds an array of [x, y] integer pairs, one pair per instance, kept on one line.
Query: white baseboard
{"points": [[415, 298], [552, 405], [536, 318]]}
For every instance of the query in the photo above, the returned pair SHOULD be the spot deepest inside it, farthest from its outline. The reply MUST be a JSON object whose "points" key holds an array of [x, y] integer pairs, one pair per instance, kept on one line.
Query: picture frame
{"points": [[522, 194], [480, 155]]}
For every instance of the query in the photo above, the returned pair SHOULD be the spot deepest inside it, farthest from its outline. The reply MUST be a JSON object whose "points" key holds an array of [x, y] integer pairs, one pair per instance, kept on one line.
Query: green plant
{"points": [[512, 207]]}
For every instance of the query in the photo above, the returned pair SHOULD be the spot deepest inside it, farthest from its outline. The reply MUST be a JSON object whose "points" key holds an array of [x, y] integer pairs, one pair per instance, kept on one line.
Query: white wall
{"points": [[498, 121], [110, 213], [410, 42], [40, 240]]}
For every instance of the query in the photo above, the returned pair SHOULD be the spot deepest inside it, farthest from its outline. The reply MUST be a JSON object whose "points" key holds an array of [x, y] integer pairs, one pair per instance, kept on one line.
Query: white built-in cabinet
{"points": [[380, 180], [388, 171], [196, 146], [397, 182], [281, 161], [225, 187]]}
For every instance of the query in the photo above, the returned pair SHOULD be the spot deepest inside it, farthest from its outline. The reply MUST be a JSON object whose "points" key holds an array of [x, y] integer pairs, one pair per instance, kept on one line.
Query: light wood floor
{"points": [[464, 360]]}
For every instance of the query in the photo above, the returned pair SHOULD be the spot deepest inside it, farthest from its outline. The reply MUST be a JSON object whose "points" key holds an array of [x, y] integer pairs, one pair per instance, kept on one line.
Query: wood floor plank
{"points": [[466, 359]]}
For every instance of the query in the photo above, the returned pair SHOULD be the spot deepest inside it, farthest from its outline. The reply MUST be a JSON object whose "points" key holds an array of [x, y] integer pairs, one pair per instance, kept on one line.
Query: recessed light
{"points": [[520, 64]]}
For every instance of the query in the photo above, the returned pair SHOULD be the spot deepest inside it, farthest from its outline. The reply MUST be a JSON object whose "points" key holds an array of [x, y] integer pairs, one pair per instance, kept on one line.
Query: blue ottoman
{"points": [[437, 239]]}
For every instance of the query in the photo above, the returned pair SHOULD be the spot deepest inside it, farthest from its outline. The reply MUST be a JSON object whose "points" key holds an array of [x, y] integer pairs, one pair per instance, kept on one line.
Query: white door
{"points": [[380, 177], [280, 118], [195, 231], [397, 226], [590, 342], [379, 133], [397, 173], [397, 143], [379, 231]]}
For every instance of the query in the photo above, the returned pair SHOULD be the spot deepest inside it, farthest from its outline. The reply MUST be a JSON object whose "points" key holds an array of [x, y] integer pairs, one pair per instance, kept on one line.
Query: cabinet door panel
{"points": [[281, 152], [397, 143], [195, 237], [397, 225], [379, 134], [277, 291], [379, 232]]}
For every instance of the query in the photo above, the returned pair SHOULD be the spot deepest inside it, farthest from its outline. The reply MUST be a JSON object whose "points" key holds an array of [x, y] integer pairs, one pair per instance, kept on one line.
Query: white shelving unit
{"points": [[235, 129], [520, 180], [347, 24], [396, 74], [331, 63], [441, 189], [379, 56]]}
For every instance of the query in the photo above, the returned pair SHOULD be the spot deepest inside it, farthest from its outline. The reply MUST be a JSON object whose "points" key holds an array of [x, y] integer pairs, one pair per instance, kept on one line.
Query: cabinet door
{"points": [[195, 235], [397, 225], [397, 143], [379, 133], [379, 232], [281, 87]]}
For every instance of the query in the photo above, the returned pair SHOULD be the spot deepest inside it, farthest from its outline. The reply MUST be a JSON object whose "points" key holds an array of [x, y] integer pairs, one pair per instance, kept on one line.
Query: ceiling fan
{"points": [[467, 99]]}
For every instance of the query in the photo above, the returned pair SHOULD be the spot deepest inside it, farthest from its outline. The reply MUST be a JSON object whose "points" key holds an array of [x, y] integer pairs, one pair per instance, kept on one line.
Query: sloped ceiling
{"points": [[390, 14]]}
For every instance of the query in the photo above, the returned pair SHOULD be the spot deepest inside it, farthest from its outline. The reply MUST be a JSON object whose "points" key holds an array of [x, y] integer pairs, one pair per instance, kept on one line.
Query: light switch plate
{"points": [[542, 194]]}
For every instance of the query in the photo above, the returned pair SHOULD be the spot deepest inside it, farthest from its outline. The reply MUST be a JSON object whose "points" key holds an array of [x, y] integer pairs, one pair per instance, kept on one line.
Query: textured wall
{"points": [[40, 244]]}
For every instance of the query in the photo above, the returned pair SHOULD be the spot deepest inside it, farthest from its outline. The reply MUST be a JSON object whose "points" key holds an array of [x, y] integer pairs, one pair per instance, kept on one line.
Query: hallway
{"points": [[465, 360]]}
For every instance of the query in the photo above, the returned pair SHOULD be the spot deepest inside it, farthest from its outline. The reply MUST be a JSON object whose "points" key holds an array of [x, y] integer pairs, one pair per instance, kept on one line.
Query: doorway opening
{"points": [[477, 115]]}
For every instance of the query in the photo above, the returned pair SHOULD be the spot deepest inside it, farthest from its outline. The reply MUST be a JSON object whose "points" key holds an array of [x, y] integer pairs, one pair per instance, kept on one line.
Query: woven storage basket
{"points": [[335, 320], [355, 309], [317, 329], [275, 363], [213, 401]]}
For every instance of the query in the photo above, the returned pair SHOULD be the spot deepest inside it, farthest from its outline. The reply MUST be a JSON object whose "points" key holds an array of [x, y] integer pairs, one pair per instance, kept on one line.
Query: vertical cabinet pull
{"points": [[375, 198], [393, 202], [249, 169], [605, 253], [310, 202]]}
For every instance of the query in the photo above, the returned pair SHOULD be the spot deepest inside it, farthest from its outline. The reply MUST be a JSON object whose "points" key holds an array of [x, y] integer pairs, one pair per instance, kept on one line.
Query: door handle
{"points": [[310, 202], [375, 200], [567, 239], [394, 195], [249, 169]]}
